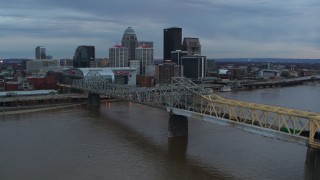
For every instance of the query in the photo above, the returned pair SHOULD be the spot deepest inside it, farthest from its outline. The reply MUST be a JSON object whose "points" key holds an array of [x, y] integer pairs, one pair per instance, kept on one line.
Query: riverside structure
{"points": [[186, 99]]}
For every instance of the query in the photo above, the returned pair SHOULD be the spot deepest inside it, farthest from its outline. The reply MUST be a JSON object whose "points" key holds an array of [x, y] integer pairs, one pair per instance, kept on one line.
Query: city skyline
{"points": [[232, 29]]}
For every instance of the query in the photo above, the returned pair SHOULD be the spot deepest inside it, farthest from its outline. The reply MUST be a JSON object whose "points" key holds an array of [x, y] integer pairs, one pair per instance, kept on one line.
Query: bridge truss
{"points": [[183, 94]]}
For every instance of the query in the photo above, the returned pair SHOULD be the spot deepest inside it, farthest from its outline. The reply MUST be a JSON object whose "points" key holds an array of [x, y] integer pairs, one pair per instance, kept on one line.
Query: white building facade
{"points": [[118, 56], [43, 65], [144, 54]]}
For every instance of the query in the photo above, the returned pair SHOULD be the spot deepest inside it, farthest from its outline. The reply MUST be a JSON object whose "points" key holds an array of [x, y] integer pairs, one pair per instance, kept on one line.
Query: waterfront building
{"points": [[83, 56], [43, 65], [194, 66], [38, 82], [40, 52], [165, 71], [269, 74], [238, 73], [144, 54], [172, 38], [129, 40], [191, 45], [115, 75], [118, 56]]}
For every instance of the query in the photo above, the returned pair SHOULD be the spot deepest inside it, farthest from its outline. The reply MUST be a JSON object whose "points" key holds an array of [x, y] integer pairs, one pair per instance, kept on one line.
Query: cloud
{"points": [[237, 28]]}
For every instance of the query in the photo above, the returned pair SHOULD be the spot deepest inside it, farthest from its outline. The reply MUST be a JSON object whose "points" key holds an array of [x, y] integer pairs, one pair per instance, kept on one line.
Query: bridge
{"points": [[278, 82], [185, 99]]}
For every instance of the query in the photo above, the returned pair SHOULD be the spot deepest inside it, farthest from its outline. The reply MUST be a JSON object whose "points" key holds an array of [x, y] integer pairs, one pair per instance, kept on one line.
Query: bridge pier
{"points": [[312, 164], [177, 148], [314, 126], [178, 126], [93, 99]]}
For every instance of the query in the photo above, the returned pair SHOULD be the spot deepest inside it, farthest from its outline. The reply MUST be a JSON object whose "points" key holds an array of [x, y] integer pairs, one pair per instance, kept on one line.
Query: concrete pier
{"points": [[93, 99], [178, 126], [312, 164]]}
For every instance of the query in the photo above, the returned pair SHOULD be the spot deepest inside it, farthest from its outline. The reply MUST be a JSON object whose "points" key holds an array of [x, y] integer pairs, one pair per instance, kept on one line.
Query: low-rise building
{"points": [[164, 72], [269, 74], [115, 75]]}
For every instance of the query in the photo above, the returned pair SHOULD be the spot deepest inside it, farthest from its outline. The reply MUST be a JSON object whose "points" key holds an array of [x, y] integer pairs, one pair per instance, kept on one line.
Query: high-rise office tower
{"points": [[129, 40], [192, 45], [177, 55], [144, 53], [118, 56], [83, 56], [194, 66], [172, 40], [40, 52]]}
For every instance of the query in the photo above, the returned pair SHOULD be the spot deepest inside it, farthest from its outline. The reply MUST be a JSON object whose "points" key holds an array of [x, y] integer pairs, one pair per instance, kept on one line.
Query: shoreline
{"points": [[37, 108]]}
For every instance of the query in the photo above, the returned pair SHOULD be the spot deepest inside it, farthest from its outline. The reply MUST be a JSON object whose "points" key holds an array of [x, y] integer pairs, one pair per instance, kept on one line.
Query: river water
{"points": [[123, 140]]}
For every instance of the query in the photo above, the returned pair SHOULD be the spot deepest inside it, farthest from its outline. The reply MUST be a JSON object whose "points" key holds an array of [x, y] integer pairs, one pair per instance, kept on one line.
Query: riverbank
{"points": [[45, 107], [254, 84], [27, 104], [36, 108]]}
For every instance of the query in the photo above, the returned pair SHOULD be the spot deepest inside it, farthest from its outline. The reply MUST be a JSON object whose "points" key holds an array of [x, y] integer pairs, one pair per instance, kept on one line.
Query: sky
{"points": [[225, 28]]}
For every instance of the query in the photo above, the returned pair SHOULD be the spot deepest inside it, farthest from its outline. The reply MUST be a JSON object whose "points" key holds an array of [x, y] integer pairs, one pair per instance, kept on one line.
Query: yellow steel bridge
{"points": [[183, 97]]}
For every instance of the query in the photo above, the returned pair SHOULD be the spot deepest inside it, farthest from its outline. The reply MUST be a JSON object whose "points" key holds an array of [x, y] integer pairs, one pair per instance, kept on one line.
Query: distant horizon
{"points": [[271, 60], [231, 58], [242, 60]]}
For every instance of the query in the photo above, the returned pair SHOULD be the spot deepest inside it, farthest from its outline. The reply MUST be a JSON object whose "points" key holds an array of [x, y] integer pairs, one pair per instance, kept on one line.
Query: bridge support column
{"points": [[177, 148], [93, 99], [178, 126], [314, 126], [312, 164]]}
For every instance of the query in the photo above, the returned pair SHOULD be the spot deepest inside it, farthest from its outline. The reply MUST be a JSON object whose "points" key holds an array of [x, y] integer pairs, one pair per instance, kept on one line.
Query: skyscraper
{"points": [[177, 55], [83, 56], [194, 66], [118, 56], [192, 45], [40, 52], [172, 40], [129, 40]]}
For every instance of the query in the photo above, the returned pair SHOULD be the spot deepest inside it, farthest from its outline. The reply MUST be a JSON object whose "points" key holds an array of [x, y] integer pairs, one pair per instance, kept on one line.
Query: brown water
{"points": [[123, 140]]}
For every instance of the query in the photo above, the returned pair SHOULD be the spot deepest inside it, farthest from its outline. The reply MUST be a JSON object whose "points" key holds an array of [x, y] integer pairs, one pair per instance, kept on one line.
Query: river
{"points": [[123, 140]]}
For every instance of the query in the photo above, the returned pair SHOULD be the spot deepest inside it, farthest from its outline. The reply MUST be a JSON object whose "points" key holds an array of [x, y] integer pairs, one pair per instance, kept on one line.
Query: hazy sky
{"points": [[226, 28]]}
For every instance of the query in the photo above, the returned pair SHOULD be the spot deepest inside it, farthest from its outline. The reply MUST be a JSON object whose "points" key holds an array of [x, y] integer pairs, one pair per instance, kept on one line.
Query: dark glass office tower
{"points": [[172, 40], [194, 66], [40, 52], [83, 56]]}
